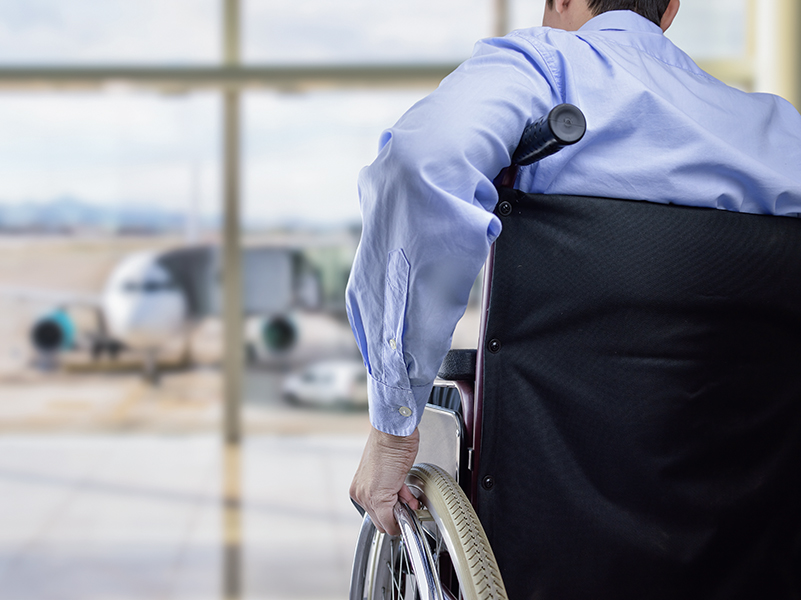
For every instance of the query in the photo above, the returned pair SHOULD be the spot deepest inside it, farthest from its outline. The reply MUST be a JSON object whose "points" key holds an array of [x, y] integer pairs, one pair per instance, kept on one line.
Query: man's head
{"points": [[572, 14]]}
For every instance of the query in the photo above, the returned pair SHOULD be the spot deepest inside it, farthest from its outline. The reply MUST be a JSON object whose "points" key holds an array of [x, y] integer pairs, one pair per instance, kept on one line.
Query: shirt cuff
{"points": [[396, 411]]}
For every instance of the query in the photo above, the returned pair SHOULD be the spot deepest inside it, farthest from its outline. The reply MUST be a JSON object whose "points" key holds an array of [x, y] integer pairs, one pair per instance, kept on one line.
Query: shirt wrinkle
{"points": [[550, 65], [692, 70]]}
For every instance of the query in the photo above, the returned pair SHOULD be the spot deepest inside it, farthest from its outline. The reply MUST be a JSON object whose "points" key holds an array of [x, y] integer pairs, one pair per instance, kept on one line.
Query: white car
{"points": [[340, 383]]}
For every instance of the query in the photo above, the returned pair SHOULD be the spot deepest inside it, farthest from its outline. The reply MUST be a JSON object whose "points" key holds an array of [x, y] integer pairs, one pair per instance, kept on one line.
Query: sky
{"points": [[302, 151]]}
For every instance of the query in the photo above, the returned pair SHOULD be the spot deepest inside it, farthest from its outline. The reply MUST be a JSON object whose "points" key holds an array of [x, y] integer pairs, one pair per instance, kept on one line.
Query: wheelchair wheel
{"points": [[458, 550]]}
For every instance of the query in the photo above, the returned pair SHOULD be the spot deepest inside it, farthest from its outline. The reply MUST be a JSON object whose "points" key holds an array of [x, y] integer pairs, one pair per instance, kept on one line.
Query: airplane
{"points": [[140, 308], [151, 298]]}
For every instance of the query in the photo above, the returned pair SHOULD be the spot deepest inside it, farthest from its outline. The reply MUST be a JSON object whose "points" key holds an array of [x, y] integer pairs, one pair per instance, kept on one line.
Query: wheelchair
{"points": [[630, 423]]}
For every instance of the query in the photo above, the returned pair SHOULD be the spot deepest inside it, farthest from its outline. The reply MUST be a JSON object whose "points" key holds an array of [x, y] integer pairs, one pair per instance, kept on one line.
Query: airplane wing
{"points": [[52, 297]]}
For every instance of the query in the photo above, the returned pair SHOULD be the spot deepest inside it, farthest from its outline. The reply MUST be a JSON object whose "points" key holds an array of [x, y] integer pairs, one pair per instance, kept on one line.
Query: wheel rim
{"points": [[389, 574]]}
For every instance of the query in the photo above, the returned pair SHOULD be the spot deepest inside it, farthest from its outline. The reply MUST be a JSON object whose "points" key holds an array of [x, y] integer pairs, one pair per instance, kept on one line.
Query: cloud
{"points": [[302, 151], [111, 31], [305, 152], [364, 30]]}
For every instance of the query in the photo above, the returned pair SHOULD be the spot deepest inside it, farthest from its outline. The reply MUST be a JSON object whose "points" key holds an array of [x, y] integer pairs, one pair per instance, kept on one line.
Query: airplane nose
{"points": [[147, 320]]}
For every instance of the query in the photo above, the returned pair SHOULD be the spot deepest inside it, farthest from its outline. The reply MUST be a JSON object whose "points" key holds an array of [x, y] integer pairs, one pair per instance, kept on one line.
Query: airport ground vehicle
{"points": [[332, 383], [660, 381]]}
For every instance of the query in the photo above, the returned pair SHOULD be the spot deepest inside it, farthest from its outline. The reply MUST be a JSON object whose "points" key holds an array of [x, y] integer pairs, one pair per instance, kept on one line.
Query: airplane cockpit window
{"points": [[316, 377], [148, 286]]}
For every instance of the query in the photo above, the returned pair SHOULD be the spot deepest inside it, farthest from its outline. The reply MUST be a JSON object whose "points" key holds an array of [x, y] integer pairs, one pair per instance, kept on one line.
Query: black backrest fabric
{"points": [[642, 408]]}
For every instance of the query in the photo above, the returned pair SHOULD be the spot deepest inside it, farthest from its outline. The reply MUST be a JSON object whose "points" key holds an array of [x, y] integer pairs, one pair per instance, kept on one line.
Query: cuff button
{"points": [[405, 411]]}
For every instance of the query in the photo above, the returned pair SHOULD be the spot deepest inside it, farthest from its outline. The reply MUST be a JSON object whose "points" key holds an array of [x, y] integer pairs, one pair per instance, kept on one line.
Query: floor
{"points": [[94, 517]]}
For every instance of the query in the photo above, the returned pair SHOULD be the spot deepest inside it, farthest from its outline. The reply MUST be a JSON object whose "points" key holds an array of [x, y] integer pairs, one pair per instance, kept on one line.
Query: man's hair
{"points": [[650, 9]]}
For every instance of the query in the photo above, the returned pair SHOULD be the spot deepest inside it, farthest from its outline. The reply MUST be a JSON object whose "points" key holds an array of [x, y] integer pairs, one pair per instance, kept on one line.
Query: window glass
{"points": [[109, 31], [525, 13], [303, 31], [304, 152], [711, 29], [358, 31], [108, 159], [705, 29], [130, 157]]}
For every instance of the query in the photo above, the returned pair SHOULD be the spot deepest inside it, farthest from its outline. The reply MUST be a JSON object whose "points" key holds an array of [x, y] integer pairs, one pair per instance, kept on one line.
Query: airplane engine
{"points": [[279, 334], [270, 336], [53, 332]]}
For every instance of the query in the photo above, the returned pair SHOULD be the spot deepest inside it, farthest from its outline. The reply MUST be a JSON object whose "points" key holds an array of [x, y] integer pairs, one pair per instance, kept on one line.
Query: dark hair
{"points": [[650, 9]]}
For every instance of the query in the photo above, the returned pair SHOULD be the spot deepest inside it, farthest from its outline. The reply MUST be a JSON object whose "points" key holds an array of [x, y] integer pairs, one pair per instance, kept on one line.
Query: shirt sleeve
{"points": [[426, 207]]}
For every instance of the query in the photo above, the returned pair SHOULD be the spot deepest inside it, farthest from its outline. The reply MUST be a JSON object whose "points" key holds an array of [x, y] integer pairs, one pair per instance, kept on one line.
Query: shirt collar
{"points": [[621, 20]]}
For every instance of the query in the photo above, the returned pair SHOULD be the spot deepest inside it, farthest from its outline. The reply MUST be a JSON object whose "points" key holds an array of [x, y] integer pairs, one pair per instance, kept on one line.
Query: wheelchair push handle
{"points": [[563, 126]]}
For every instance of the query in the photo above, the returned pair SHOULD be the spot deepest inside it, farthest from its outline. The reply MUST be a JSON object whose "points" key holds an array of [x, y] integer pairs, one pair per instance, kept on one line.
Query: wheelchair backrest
{"points": [[641, 399]]}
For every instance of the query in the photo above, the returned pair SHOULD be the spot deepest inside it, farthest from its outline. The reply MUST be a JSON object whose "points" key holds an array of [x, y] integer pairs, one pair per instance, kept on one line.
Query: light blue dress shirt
{"points": [[658, 129]]}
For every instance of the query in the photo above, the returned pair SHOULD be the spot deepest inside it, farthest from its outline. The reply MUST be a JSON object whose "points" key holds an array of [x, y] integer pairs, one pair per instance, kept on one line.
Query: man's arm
{"points": [[427, 227]]}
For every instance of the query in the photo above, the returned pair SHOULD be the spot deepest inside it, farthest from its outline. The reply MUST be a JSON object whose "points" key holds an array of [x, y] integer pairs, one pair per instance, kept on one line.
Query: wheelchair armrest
{"points": [[459, 365]]}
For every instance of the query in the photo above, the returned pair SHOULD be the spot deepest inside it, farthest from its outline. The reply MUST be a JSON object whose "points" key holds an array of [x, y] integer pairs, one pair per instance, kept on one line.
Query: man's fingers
{"points": [[385, 514], [406, 495], [381, 512], [386, 520]]}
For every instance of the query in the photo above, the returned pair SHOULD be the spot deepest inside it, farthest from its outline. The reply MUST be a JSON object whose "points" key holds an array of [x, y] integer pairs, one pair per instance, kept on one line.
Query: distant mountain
{"points": [[69, 214]]}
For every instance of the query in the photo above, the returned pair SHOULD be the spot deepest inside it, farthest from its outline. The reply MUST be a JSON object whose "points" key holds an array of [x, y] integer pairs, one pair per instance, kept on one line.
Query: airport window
{"points": [[98, 168], [358, 31], [525, 13], [712, 29], [55, 32], [715, 33], [127, 162], [303, 153]]}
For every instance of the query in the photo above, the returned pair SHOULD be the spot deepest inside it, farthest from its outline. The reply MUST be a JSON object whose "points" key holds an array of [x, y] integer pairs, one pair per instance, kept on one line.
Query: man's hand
{"points": [[379, 480]]}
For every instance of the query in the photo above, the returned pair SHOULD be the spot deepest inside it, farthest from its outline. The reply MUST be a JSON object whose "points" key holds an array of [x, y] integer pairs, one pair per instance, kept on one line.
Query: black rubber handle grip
{"points": [[459, 365], [563, 126]]}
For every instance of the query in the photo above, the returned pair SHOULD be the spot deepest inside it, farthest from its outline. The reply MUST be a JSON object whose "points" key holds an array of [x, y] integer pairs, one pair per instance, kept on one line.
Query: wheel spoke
{"points": [[395, 581], [391, 567]]}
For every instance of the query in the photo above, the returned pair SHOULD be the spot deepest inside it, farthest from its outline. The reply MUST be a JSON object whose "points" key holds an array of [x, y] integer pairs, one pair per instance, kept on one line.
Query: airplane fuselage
{"points": [[142, 305]]}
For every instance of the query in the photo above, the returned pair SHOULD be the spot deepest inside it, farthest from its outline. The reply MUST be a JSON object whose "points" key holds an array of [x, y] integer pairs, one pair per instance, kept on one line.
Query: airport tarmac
{"points": [[81, 396], [140, 517], [113, 489]]}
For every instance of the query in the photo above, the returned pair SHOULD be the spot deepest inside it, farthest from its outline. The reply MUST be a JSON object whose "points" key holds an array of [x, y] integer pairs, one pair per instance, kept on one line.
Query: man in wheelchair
{"points": [[640, 364]]}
